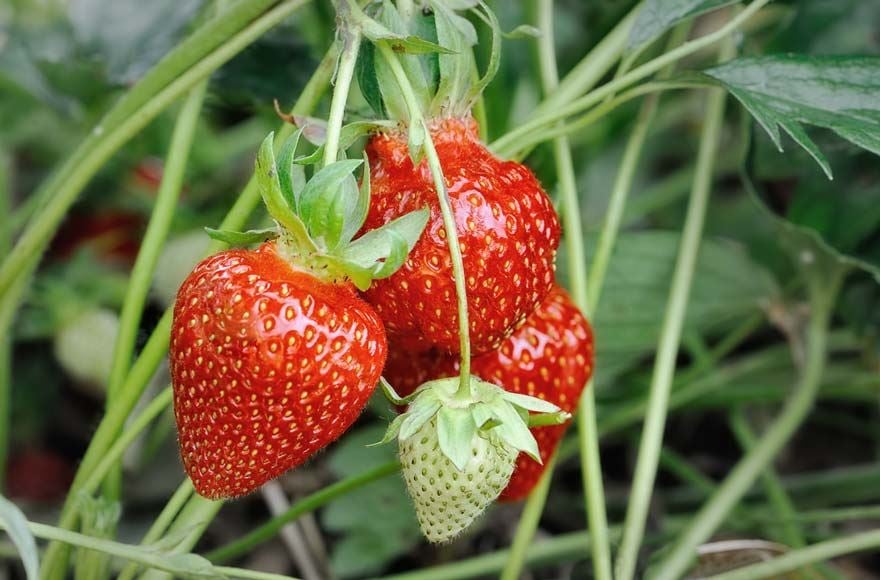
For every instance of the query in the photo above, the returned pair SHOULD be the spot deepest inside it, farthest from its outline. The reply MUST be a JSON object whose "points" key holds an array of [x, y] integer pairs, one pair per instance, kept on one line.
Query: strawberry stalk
{"points": [[420, 134], [350, 38]]}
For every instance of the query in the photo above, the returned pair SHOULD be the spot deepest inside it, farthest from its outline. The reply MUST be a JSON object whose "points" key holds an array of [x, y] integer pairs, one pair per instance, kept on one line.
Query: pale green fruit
{"points": [[448, 500], [84, 348]]}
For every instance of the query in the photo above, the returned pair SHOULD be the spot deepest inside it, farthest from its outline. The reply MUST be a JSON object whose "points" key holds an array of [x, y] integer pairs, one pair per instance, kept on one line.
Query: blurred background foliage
{"points": [[62, 63]]}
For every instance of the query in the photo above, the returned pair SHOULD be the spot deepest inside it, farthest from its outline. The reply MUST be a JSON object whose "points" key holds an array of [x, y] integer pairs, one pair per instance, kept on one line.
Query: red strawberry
{"points": [[550, 357], [507, 228], [269, 365]]}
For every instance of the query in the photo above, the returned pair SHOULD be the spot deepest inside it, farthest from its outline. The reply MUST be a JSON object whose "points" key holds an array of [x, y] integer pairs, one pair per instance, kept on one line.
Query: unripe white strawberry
{"points": [[448, 500], [458, 451]]}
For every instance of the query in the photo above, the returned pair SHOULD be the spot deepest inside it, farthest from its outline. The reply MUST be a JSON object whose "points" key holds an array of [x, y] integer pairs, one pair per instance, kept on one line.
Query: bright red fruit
{"points": [[269, 365], [507, 228], [549, 357]]}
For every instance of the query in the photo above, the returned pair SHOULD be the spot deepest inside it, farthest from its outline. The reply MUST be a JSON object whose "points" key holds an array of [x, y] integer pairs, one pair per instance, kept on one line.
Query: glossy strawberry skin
{"points": [[508, 231], [549, 357], [269, 365]]}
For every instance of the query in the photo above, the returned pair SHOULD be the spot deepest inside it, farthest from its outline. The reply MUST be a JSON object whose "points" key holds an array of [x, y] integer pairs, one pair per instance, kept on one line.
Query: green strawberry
{"points": [[447, 499], [458, 452]]}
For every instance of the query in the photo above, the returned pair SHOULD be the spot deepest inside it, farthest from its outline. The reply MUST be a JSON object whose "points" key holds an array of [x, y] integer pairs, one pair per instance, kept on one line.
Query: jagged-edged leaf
{"points": [[837, 93], [657, 16], [837, 218], [16, 526], [377, 244], [233, 238], [367, 80], [455, 431], [318, 196]]}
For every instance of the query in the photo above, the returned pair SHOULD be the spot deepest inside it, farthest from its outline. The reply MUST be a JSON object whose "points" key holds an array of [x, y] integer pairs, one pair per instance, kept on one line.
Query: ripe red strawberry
{"points": [[269, 365], [273, 354], [507, 229], [550, 357]]}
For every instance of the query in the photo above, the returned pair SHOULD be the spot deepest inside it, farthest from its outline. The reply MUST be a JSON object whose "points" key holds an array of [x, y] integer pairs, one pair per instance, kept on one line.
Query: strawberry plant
{"points": [[440, 289]]}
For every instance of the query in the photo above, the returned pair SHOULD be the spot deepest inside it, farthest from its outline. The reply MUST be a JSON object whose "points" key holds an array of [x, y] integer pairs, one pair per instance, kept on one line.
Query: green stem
{"points": [[417, 120], [148, 256], [62, 189], [595, 97], [8, 311], [822, 294], [790, 533], [591, 467], [154, 238], [179, 565], [157, 345], [351, 42], [113, 455], [592, 67], [161, 523], [667, 350], [193, 520], [778, 567], [307, 504]]}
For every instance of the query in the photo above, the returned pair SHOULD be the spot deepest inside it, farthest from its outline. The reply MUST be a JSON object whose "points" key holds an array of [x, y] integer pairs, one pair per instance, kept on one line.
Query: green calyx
{"points": [[489, 412], [434, 44], [319, 217]]}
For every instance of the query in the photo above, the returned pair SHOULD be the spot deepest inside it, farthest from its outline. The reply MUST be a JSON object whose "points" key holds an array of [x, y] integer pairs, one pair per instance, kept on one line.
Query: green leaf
{"points": [[420, 412], [16, 525], [835, 218], [395, 258], [270, 190], [727, 287], [455, 432], [530, 403], [319, 205], [368, 82], [291, 177], [522, 31], [247, 238], [514, 431], [377, 244], [658, 16], [455, 69], [361, 208], [837, 93]]}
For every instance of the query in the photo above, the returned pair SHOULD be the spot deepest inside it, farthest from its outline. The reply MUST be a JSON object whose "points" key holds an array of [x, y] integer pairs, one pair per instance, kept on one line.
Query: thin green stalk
{"points": [[7, 316], [797, 559], [62, 189], [592, 67], [180, 565], [667, 350], [193, 520], [161, 523], [417, 118], [790, 532], [307, 504], [157, 345], [598, 95], [351, 42], [823, 291], [591, 466], [154, 238], [113, 455]]}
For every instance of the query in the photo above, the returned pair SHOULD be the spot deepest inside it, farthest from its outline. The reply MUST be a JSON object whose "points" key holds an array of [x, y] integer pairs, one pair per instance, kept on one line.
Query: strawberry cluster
{"points": [[275, 351]]}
